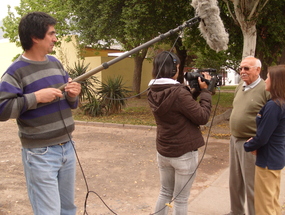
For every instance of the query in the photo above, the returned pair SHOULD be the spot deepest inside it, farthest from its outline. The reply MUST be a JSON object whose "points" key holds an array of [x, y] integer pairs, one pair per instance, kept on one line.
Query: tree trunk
{"points": [[248, 28], [249, 40], [265, 62], [138, 71], [282, 58]]}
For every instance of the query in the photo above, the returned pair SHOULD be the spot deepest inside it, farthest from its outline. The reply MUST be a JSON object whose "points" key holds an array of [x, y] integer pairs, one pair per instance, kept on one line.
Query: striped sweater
{"points": [[40, 124]]}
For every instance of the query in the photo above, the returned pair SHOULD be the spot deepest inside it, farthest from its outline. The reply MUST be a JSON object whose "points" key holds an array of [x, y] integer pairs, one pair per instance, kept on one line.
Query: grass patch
{"points": [[138, 112], [223, 100], [229, 87]]}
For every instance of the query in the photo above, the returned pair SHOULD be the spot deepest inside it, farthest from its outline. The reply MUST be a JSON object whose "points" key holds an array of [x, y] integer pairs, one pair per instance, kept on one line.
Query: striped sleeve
{"points": [[13, 101]]}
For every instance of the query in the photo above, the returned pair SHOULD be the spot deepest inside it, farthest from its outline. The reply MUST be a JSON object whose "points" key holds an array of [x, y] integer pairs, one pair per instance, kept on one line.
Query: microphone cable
{"points": [[208, 135], [81, 169], [85, 179], [77, 157]]}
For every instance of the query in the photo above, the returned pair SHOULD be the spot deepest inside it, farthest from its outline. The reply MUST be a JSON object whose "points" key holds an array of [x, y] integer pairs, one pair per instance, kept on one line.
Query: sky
{"points": [[4, 9]]}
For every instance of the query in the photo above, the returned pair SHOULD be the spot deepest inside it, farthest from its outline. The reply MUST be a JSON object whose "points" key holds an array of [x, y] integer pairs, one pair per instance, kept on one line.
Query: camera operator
{"points": [[178, 117]]}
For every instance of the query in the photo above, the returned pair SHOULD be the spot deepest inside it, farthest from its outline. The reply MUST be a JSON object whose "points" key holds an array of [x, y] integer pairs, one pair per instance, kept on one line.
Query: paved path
{"points": [[215, 199]]}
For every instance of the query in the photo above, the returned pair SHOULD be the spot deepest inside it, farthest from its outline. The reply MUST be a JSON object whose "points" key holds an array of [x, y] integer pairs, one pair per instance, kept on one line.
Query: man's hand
{"points": [[73, 89], [47, 95]]}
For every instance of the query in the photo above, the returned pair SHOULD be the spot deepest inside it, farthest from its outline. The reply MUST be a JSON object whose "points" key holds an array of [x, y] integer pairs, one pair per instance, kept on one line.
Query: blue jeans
{"points": [[50, 178], [176, 177]]}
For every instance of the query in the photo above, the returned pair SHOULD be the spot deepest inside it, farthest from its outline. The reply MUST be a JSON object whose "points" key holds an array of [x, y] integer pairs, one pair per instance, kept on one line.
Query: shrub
{"points": [[88, 86], [94, 108], [110, 97], [113, 95]]}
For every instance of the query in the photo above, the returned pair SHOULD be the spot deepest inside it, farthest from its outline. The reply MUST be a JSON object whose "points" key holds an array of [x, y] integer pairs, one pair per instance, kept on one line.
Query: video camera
{"points": [[192, 78]]}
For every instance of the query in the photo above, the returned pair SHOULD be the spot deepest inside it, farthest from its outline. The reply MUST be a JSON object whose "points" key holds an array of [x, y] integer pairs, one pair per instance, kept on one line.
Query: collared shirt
{"points": [[252, 85]]}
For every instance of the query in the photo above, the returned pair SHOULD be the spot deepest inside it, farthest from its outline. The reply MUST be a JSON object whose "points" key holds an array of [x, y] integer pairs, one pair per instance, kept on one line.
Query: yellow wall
{"points": [[94, 63], [125, 68], [68, 55], [7, 52]]}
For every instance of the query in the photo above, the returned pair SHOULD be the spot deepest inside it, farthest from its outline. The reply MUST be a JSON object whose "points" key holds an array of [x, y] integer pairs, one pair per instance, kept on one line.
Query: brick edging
{"points": [[115, 125]]}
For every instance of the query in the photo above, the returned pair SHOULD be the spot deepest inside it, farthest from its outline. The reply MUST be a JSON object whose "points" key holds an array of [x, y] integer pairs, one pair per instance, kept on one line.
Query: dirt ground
{"points": [[119, 164]]}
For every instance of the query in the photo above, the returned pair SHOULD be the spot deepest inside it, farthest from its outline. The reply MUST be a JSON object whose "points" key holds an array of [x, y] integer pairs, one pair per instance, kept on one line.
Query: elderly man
{"points": [[250, 96]]}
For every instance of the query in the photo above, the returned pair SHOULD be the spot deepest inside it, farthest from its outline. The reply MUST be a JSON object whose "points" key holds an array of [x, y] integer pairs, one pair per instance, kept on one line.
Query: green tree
{"points": [[57, 8], [267, 18], [269, 23], [245, 13], [200, 55], [102, 23], [131, 23], [270, 47]]}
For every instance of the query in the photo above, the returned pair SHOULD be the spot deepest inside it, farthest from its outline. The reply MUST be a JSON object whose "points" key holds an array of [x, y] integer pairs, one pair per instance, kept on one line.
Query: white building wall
{"points": [[7, 52], [232, 78]]}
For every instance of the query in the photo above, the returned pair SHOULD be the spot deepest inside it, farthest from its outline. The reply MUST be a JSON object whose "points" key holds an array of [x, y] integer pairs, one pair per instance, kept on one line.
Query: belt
{"points": [[63, 143]]}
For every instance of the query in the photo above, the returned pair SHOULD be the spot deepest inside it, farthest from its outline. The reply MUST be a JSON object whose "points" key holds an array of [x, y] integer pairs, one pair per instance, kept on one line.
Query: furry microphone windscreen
{"points": [[211, 25]]}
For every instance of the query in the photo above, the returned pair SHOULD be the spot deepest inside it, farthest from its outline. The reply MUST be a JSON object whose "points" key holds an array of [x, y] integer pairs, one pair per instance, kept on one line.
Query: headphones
{"points": [[174, 60]]}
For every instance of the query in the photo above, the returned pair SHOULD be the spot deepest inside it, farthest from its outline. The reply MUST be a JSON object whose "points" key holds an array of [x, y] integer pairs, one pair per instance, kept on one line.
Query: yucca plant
{"points": [[94, 108], [88, 88], [113, 95]]}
